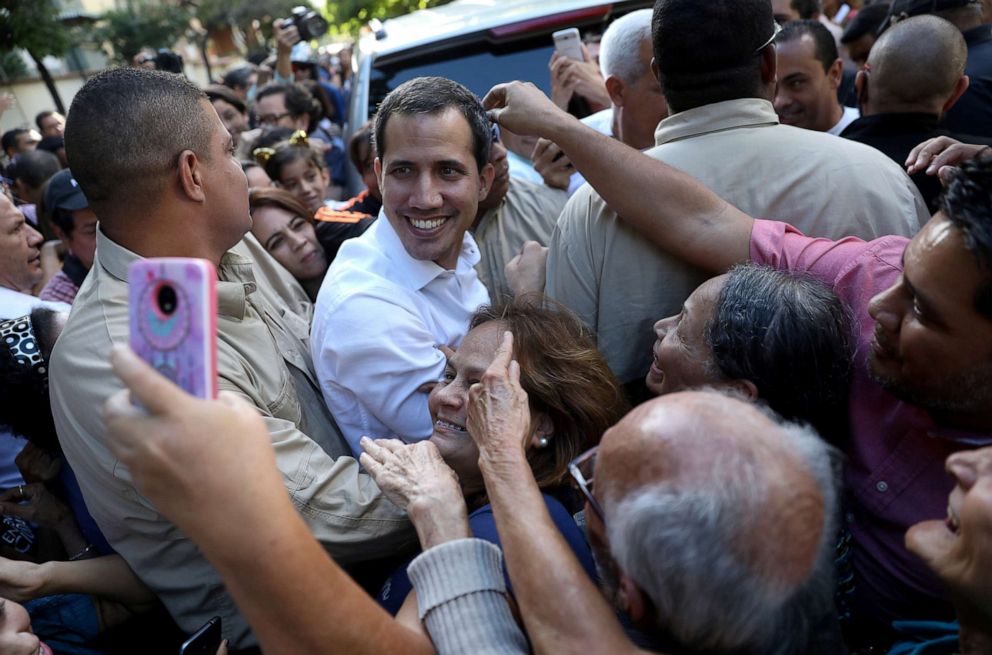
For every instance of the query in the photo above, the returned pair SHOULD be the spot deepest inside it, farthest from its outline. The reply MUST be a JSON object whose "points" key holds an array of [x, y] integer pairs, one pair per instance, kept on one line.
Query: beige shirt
{"points": [[263, 355], [619, 284], [527, 213]]}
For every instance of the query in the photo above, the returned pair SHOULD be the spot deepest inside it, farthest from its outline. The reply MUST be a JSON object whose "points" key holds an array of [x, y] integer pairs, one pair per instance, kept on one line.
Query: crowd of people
{"points": [[699, 364]]}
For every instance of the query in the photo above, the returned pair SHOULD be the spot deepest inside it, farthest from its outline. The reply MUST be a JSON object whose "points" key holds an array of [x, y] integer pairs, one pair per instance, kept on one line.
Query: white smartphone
{"points": [[568, 43]]}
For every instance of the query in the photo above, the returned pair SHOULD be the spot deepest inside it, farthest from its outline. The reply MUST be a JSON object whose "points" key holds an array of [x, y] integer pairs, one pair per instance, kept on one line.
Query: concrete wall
{"points": [[32, 95]]}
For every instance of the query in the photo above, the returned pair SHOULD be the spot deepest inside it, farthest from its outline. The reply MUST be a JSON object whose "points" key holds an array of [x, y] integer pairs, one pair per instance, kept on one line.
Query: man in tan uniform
{"points": [[158, 167]]}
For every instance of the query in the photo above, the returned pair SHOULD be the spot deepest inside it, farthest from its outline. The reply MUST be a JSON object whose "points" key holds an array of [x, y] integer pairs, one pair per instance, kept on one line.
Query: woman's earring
{"points": [[543, 442]]}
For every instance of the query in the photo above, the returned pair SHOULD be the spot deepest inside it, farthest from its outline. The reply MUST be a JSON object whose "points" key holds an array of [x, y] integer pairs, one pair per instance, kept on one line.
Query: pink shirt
{"points": [[894, 473]]}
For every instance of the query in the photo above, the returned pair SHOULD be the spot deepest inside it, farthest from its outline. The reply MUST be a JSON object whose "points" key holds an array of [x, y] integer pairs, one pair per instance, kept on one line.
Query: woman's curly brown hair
{"points": [[564, 376]]}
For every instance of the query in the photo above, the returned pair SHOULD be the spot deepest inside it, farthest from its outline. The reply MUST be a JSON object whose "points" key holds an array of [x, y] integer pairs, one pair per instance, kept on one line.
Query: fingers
{"points": [[155, 393], [496, 98], [504, 354], [447, 350]]}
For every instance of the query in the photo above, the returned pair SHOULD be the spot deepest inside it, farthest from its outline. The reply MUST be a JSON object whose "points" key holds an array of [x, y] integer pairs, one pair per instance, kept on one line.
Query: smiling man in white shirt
{"points": [[394, 296]]}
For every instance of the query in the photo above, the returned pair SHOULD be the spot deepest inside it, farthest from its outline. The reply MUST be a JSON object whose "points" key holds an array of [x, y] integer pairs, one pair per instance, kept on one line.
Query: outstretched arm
{"points": [[562, 609], [672, 209], [295, 597]]}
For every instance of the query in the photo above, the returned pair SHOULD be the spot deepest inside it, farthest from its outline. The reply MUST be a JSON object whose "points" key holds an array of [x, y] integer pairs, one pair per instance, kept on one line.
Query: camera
{"points": [[309, 23]]}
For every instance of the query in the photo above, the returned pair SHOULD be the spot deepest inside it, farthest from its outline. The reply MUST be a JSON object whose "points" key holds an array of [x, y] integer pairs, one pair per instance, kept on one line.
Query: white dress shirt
{"points": [[379, 319], [849, 116]]}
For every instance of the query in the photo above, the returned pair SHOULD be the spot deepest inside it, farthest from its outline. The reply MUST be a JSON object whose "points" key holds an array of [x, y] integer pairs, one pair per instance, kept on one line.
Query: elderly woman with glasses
{"points": [[573, 396]]}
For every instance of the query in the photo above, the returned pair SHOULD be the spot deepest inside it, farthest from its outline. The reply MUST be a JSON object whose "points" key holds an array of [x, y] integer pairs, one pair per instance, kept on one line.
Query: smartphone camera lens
{"points": [[166, 299]]}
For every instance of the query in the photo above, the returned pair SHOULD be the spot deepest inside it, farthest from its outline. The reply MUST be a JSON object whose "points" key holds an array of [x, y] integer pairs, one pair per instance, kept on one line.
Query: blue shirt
{"points": [[483, 526]]}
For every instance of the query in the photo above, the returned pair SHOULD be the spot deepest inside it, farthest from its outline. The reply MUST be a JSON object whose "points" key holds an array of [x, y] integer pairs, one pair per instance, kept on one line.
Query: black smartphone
{"points": [[204, 641]]}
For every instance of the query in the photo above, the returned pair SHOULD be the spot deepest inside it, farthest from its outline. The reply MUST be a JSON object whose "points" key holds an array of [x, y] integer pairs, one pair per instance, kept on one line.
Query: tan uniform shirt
{"points": [[619, 284], [263, 355], [527, 213]]}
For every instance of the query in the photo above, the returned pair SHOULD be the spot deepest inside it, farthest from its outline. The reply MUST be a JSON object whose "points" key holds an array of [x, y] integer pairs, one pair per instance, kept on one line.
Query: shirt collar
{"points": [[716, 117], [417, 273], [236, 283], [979, 34], [892, 123]]}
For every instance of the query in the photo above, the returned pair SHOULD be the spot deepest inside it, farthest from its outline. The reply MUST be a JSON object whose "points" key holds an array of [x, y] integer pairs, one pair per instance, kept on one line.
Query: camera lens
{"points": [[166, 299]]}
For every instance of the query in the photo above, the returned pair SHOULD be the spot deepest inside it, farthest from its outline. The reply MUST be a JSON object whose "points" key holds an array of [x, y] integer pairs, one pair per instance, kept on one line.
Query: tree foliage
{"points": [[33, 26], [141, 25], [348, 16]]}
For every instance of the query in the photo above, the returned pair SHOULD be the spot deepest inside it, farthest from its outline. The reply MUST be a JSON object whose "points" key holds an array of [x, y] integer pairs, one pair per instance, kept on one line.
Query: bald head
{"points": [[916, 65], [707, 478]]}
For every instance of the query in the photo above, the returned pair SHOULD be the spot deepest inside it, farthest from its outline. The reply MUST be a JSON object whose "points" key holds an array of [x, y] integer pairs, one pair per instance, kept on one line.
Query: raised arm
{"points": [[295, 597], [670, 208], [562, 609]]}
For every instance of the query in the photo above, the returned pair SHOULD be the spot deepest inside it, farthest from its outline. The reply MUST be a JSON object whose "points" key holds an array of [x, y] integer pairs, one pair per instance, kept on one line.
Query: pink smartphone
{"points": [[173, 316]]}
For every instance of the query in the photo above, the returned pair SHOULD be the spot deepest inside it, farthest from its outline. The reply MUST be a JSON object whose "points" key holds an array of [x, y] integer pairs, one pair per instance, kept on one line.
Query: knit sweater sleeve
{"points": [[461, 595]]}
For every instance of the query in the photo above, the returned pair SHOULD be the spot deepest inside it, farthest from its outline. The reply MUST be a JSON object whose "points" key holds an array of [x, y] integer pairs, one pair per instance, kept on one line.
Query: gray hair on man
{"points": [[619, 51], [703, 552]]}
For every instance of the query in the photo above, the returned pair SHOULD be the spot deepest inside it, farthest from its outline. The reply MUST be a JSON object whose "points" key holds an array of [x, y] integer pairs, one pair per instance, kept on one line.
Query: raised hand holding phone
{"points": [[173, 320]]}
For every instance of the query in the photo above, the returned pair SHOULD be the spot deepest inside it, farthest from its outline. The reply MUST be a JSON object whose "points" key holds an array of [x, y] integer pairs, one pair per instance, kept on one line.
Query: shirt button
{"points": [[882, 486]]}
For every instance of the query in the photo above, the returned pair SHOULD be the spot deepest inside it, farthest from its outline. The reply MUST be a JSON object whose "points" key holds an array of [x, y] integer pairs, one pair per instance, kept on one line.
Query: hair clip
{"points": [[262, 155], [299, 138]]}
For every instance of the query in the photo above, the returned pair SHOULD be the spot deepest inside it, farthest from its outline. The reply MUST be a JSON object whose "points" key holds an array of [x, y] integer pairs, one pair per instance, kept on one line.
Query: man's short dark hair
{"points": [[967, 204], [806, 9], [434, 95], [707, 52], [42, 116], [9, 138], [867, 21], [239, 76], [297, 99], [34, 167], [126, 129], [824, 46]]}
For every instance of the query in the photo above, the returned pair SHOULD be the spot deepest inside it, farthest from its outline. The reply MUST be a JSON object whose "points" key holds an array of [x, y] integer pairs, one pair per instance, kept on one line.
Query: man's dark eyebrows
{"points": [[451, 163]]}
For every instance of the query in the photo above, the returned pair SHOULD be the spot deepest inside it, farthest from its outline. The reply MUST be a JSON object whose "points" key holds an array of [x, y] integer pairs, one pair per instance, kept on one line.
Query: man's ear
{"points": [[486, 177], [377, 169], [861, 89], [615, 87], [744, 387], [303, 122], [956, 94], [655, 71], [836, 73], [191, 176], [769, 65], [631, 599]]}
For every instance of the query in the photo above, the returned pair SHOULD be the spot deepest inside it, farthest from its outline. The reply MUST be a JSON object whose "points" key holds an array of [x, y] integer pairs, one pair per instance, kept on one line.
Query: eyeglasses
{"points": [[581, 469], [272, 119], [771, 39]]}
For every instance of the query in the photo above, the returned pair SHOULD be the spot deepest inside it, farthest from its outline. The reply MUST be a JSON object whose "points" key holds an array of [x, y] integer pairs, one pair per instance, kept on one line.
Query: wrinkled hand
{"points": [[192, 458], [963, 561], [939, 156], [20, 580], [33, 502], [570, 77], [523, 108], [550, 161], [498, 410], [36, 465], [527, 272], [416, 479]]}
